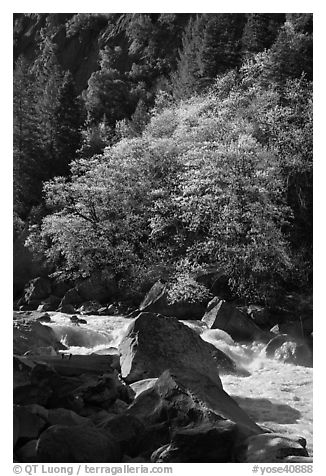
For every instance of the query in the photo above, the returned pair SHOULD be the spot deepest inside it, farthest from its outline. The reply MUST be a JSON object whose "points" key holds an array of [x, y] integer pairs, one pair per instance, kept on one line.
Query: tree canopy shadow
{"points": [[262, 409]]}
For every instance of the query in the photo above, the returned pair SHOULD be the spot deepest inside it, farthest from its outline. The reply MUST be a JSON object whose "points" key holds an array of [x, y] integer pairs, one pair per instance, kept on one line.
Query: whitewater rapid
{"points": [[275, 395]]}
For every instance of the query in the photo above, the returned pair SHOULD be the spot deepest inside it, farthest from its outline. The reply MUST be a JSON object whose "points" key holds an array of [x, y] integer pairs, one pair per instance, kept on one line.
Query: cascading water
{"points": [[276, 395]]}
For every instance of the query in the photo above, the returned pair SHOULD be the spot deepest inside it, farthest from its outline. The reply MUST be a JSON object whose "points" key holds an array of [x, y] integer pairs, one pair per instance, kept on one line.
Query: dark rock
{"points": [[15, 429], [133, 314], [184, 398], [30, 425], [96, 288], [40, 351], [44, 318], [154, 343], [22, 368], [27, 453], [223, 315], [50, 304], [126, 430], [268, 448], [286, 348], [142, 385], [225, 364], [297, 459], [157, 301], [112, 310], [260, 315], [153, 438], [62, 416], [77, 444], [33, 335], [275, 329], [59, 288], [297, 329], [37, 289], [203, 443], [32, 305], [89, 307], [103, 311], [67, 309], [79, 364], [45, 307], [71, 297]]}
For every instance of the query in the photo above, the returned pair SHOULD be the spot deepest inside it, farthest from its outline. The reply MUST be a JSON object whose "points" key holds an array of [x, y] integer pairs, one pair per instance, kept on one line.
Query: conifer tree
{"points": [[187, 78], [48, 79], [222, 42], [27, 166], [260, 31], [67, 127]]}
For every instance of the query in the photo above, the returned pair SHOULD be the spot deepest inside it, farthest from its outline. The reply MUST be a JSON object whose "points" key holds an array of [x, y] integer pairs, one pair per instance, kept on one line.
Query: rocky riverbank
{"points": [[158, 398]]}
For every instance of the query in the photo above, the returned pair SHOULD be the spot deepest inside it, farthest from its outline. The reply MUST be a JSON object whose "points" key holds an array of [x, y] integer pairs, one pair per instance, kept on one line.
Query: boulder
{"points": [[30, 424], [49, 350], [79, 364], [156, 300], [59, 288], [268, 448], [203, 443], [50, 304], [225, 316], [62, 416], [67, 309], [126, 430], [89, 308], [96, 288], [71, 297], [32, 305], [260, 315], [33, 335], [77, 444], [27, 453], [45, 317], [188, 397], [290, 350], [154, 343], [37, 289], [142, 385], [15, 432]]}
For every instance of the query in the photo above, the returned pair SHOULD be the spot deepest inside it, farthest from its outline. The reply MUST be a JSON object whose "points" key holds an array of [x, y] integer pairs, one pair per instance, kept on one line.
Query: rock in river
{"points": [[154, 343]]}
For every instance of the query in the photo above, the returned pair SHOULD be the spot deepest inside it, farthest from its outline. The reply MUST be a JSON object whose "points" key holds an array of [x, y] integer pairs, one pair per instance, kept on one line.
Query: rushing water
{"points": [[276, 395]]}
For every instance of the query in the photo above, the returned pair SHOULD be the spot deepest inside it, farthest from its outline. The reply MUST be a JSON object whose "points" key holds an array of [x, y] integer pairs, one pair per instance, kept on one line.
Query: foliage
{"points": [[201, 187], [196, 152]]}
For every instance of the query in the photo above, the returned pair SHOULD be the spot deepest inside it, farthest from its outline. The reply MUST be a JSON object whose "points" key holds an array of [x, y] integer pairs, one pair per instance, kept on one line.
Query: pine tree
{"points": [[48, 80], [222, 42], [67, 127], [187, 79], [28, 170], [260, 32]]}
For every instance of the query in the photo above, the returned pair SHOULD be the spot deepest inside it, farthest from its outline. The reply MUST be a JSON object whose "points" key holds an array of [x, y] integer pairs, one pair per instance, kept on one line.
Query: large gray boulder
{"points": [[156, 300], [32, 335], [154, 343], [185, 397], [225, 316]]}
